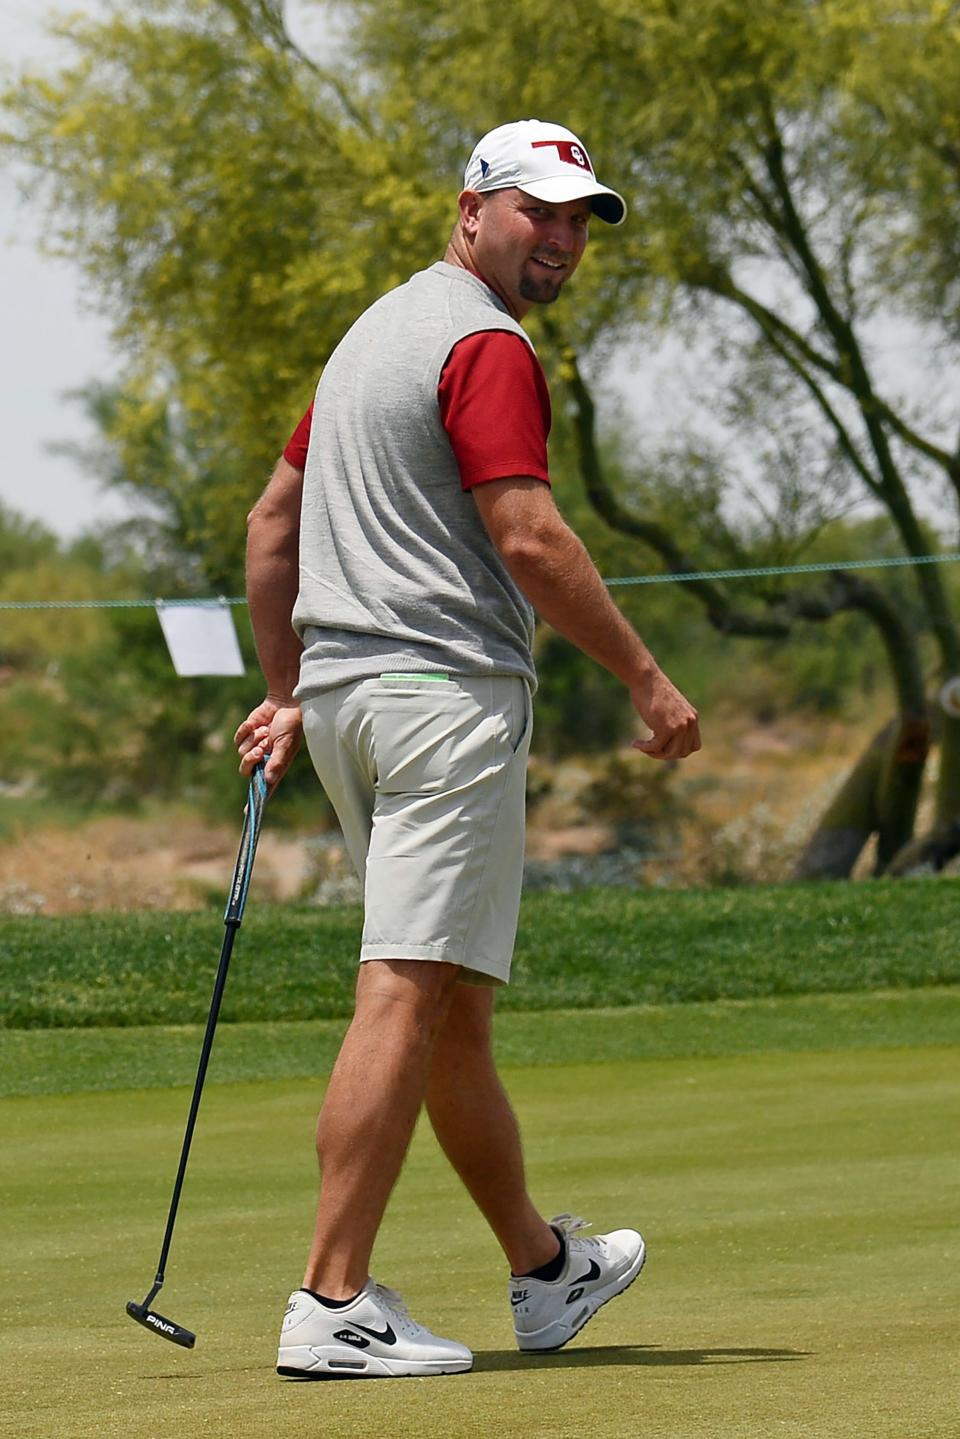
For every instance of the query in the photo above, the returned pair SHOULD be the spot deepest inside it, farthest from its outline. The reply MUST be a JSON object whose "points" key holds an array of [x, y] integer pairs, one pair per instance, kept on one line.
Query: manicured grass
{"points": [[598, 949], [69, 1061], [799, 1208]]}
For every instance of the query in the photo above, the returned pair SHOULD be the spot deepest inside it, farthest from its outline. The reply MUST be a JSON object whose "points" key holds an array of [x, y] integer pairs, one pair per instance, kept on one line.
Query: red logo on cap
{"points": [[568, 150]]}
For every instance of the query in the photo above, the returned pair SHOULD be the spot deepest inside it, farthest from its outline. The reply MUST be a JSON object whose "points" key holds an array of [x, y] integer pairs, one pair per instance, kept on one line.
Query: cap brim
{"points": [[606, 204]]}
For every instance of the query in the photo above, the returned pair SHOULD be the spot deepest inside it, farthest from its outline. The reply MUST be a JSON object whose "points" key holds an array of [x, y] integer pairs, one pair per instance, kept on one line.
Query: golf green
{"points": [[800, 1211]]}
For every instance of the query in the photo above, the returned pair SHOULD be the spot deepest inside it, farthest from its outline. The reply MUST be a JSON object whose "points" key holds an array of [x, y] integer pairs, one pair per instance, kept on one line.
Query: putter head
{"points": [[165, 1327]]}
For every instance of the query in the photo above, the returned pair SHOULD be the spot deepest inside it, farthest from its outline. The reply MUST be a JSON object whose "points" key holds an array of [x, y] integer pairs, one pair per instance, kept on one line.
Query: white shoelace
{"points": [[393, 1301], [571, 1226]]}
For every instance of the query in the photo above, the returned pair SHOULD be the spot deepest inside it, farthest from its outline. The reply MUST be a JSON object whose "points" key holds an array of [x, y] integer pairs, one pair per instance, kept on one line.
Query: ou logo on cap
{"points": [[568, 151]]}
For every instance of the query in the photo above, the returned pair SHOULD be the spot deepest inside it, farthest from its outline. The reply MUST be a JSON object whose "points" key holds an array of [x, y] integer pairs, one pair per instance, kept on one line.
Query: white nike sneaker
{"points": [[548, 1313], [372, 1337]]}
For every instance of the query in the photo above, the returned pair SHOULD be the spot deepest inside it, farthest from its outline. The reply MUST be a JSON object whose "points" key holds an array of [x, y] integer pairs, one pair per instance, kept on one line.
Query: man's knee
{"points": [[416, 987], [468, 1027]]}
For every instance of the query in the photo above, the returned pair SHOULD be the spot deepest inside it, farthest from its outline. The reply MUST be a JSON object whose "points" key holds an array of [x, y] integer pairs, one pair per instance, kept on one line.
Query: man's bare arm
{"points": [[555, 572], [273, 543]]}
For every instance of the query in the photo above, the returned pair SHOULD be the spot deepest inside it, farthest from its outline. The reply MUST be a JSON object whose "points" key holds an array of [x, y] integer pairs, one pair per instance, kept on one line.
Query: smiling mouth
{"points": [[549, 264]]}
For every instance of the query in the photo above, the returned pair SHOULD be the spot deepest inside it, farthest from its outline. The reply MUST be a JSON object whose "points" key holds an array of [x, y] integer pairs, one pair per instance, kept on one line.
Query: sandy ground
{"points": [[131, 864]]}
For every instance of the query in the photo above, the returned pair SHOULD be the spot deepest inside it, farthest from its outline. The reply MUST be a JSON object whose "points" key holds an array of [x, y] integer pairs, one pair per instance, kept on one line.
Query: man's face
{"points": [[526, 247]]}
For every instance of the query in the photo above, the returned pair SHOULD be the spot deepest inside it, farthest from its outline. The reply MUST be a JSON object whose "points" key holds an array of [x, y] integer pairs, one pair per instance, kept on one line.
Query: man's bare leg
{"points": [[369, 1112], [478, 1130]]}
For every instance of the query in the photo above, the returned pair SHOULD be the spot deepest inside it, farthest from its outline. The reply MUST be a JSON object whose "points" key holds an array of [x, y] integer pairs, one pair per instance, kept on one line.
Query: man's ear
{"points": [[470, 204]]}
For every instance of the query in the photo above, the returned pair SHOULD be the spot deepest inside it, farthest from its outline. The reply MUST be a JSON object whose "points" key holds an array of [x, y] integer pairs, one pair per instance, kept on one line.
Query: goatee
{"points": [[539, 292]]}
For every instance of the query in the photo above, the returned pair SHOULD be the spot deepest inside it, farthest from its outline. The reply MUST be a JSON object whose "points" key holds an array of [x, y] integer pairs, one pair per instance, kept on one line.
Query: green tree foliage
{"points": [[22, 541], [90, 707], [33, 565]]}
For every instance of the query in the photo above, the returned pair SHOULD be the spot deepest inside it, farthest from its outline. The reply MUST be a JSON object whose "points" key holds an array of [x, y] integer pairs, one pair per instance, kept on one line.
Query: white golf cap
{"points": [[546, 161]]}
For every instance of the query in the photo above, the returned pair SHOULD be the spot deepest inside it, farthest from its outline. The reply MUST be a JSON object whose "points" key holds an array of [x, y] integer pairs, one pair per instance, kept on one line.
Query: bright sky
{"points": [[50, 341]]}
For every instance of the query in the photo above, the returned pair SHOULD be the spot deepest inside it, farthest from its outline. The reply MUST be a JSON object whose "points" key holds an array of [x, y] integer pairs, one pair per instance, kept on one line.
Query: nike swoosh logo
{"points": [[592, 1273], [385, 1335]]}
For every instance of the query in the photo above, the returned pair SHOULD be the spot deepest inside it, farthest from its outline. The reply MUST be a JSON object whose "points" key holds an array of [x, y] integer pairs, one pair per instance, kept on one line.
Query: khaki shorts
{"points": [[428, 777]]}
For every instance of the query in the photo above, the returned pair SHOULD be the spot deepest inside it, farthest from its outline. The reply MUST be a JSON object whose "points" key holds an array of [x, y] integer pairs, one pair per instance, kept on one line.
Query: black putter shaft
{"points": [[257, 797]]}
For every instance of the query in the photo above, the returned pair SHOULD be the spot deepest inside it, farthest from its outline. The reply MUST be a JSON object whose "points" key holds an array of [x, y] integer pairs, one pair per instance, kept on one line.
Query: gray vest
{"points": [[397, 571]]}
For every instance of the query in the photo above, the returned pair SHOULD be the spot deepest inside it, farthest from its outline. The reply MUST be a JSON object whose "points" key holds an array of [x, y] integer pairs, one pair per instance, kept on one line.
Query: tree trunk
{"points": [[835, 845], [933, 850], [901, 775], [879, 796], [948, 781], [900, 784]]}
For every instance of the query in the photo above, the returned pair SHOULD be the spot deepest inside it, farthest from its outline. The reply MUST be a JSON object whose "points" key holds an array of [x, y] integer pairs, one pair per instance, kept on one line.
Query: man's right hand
{"points": [[273, 731]]}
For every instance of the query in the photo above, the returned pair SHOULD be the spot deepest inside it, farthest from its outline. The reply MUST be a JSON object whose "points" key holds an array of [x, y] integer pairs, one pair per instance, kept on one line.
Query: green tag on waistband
{"points": [[417, 675]]}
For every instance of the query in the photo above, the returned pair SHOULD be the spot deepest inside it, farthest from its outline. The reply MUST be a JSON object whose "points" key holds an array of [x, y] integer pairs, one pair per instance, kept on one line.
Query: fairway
{"points": [[802, 1280]]}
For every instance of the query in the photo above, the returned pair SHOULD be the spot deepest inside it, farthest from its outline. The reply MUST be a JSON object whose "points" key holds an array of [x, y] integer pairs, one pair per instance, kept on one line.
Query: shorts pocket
{"points": [[524, 706], [418, 739], [514, 715]]}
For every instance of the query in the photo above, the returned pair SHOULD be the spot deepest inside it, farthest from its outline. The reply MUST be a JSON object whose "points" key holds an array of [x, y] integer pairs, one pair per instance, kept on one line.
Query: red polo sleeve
{"points": [[295, 452], [495, 408]]}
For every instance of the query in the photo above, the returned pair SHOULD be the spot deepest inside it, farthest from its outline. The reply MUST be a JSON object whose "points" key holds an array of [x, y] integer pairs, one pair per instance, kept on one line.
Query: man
{"points": [[409, 545]]}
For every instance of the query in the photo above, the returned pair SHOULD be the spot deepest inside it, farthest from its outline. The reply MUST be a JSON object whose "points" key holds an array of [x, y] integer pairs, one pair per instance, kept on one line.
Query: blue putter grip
{"points": [[256, 799]]}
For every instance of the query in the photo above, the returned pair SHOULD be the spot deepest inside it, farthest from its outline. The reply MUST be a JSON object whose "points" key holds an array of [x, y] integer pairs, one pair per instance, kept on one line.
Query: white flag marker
{"points": [[202, 639]]}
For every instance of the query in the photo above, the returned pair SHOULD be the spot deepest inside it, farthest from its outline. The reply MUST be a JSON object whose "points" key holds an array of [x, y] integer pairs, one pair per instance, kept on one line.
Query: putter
{"points": [[256, 799]]}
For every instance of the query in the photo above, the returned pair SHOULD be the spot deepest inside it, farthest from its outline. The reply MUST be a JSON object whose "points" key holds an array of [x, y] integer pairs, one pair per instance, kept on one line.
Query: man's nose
{"points": [[565, 235]]}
